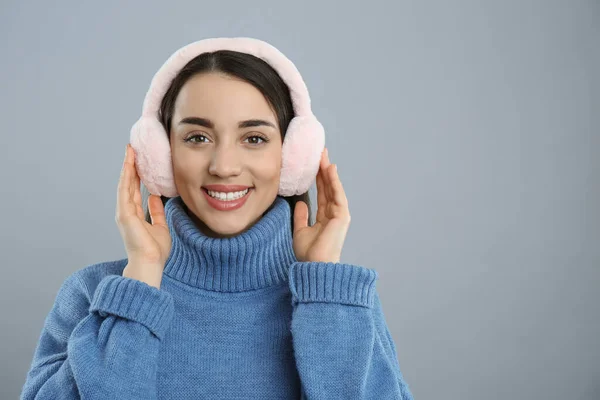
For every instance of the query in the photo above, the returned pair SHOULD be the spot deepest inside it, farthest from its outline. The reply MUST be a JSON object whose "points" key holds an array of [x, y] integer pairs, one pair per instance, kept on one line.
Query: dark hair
{"points": [[250, 69]]}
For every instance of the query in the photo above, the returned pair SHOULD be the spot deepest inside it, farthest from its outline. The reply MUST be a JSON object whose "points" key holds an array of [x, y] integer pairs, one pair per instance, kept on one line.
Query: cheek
{"points": [[186, 163], [274, 164], [268, 168]]}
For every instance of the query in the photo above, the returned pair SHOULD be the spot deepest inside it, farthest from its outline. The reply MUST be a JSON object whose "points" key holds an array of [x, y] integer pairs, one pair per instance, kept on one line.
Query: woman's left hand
{"points": [[323, 241]]}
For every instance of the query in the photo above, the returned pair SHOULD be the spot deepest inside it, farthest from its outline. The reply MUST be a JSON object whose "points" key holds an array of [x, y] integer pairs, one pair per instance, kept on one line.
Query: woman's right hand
{"points": [[147, 245]]}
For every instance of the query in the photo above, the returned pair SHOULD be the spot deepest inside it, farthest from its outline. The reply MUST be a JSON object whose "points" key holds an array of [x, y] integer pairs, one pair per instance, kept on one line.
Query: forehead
{"points": [[222, 98]]}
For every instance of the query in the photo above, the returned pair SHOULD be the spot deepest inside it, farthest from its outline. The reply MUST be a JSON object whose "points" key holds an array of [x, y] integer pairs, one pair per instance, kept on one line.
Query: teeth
{"points": [[227, 196]]}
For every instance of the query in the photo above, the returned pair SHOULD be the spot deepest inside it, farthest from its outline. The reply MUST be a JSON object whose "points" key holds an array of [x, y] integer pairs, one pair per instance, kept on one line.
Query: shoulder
{"points": [[75, 295], [83, 282]]}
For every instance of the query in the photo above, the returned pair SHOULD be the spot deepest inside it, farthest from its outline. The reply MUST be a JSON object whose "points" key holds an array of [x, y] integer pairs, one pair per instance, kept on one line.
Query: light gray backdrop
{"points": [[466, 135]]}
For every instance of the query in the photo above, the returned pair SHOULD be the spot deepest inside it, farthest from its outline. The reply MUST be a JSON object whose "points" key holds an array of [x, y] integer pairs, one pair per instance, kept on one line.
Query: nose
{"points": [[225, 161]]}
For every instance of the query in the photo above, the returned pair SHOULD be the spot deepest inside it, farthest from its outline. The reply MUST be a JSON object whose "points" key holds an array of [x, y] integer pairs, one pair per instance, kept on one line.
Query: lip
{"points": [[226, 205], [226, 188]]}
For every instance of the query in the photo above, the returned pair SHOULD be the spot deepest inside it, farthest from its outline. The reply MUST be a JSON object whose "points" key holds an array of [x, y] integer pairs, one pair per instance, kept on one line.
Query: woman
{"points": [[225, 293]]}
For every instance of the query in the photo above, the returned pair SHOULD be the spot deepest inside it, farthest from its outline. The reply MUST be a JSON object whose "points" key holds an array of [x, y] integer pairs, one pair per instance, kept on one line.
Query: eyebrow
{"points": [[249, 123]]}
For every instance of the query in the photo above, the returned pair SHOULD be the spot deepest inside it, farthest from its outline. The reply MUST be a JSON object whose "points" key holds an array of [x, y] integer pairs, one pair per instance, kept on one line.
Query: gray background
{"points": [[466, 137]]}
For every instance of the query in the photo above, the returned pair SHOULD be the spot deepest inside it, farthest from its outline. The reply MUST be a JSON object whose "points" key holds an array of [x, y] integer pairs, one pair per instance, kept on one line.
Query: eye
{"points": [[189, 139], [263, 138]]}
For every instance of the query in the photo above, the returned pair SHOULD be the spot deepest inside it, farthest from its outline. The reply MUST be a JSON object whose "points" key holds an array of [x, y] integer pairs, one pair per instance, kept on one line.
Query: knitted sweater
{"points": [[234, 318]]}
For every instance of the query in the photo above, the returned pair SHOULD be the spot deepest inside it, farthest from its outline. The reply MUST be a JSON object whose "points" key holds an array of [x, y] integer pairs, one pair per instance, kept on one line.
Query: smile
{"points": [[227, 201]]}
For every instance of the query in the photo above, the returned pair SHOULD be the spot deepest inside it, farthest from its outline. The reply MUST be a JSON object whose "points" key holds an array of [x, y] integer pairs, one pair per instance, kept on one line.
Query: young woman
{"points": [[227, 290]]}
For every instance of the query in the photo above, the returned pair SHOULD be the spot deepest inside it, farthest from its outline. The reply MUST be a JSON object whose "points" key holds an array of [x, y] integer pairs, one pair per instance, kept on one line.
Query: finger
{"points": [[325, 176], [321, 197], [123, 191], [300, 216], [157, 211], [131, 170], [137, 193], [339, 194], [327, 162]]}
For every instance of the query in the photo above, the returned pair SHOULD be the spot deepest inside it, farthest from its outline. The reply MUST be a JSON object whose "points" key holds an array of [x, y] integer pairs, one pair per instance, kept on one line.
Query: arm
{"points": [[342, 346], [106, 348]]}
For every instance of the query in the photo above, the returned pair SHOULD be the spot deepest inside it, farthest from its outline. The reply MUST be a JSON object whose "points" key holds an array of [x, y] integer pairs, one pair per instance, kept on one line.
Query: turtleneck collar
{"points": [[257, 258]]}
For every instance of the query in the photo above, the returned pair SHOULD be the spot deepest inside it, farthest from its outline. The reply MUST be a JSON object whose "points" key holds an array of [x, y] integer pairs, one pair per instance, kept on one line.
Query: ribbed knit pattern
{"points": [[257, 258], [234, 318], [331, 282], [128, 299]]}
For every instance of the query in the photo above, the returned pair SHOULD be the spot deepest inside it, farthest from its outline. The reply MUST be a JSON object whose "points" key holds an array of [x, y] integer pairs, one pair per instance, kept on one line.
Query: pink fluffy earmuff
{"points": [[304, 139]]}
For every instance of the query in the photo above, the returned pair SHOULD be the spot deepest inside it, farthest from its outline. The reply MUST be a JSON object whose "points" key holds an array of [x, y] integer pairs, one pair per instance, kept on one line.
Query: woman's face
{"points": [[224, 153]]}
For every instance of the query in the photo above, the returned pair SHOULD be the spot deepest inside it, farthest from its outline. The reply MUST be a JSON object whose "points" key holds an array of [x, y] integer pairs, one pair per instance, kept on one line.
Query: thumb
{"points": [[157, 211], [300, 216]]}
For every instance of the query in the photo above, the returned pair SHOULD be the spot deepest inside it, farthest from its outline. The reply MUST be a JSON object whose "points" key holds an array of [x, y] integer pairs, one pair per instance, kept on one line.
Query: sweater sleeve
{"points": [[342, 345], [103, 348]]}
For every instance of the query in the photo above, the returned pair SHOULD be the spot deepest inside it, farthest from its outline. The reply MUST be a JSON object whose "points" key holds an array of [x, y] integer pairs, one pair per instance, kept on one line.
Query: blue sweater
{"points": [[235, 318]]}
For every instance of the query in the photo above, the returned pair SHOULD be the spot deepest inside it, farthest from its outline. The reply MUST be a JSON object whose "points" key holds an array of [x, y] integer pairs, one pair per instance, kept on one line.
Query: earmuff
{"points": [[304, 139]]}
